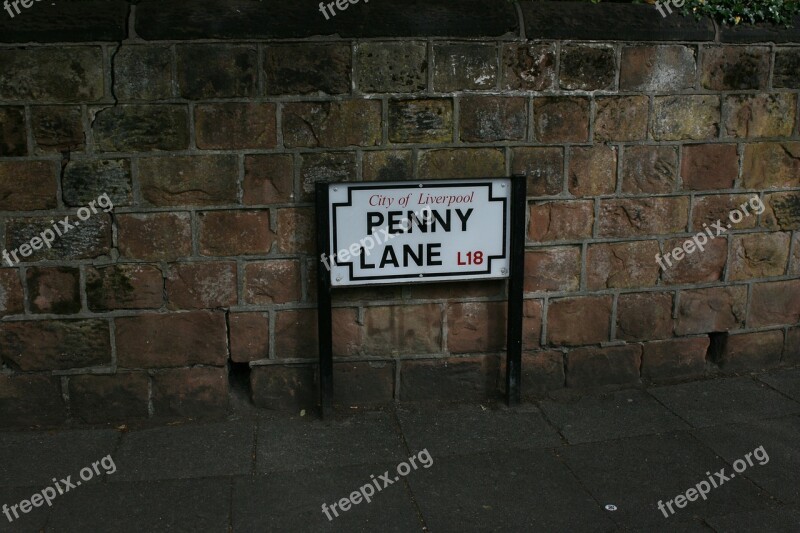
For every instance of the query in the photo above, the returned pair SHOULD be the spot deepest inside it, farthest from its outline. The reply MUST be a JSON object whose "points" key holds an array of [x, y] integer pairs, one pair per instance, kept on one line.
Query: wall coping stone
{"points": [[156, 20]]}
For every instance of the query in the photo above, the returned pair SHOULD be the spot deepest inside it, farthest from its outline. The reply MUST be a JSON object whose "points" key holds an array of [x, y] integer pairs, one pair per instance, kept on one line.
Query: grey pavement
{"points": [[595, 462]]}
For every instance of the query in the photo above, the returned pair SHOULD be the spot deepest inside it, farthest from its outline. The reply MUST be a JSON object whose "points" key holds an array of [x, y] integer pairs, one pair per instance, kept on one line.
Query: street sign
{"points": [[406, 232]]}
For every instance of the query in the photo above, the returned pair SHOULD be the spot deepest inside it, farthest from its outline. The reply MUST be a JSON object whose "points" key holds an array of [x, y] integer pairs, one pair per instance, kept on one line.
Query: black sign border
{"points": [[416, 186]]}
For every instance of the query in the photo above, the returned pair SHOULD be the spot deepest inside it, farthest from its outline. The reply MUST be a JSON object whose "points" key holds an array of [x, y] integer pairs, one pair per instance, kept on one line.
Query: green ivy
{"points": [[734, 12]]}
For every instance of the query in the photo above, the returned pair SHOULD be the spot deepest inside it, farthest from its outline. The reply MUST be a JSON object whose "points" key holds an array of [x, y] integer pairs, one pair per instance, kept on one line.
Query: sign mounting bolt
{"points": [[504, 271], [338, 278]]}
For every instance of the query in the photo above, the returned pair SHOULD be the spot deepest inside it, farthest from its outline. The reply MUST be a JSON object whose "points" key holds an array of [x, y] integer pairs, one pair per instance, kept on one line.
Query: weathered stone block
{"points": [[296, 231], [712, 208], [700, 266], [649, 169], [553, 269], [561, 220], [190, 392], [592, 170], [86, 180], [646, 216], [685, 117], [229, 233], [325, 167], [657, 68], [415, 329], [31, 399], [249, 334], [172, 340], [787, 68], [709, 166], [711, 310], [759, 255], [775, 303], [391, 67], [464, 379], [189, 180], [55, 345], [13, 139], [201, 285], [771, 165], [307, 68], [493, 118], [11, 295], [142, 128], [426, 121], [332, 124], [364, 384], [234, 126], [117, 398], [529, 67], [579, 320], [89, 240], [462, 163], [387, 164], [268, 179], [621, 118], [154, 236], [675, 358], [464, 66], [735, 67], [560, 119], [52, 74], [783, 211], [760, 115], [544, 167], [54, 290], [216, 71], [644, 316], [474, 327], [595, 367], [588, 67], [625, 264], [290, 387], [124, 287], [143, 73], [57, 129], [752, 351], [27, 185], [270, 282]]}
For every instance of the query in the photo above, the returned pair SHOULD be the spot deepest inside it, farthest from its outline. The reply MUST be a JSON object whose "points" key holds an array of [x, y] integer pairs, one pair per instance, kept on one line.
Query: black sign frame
{"points": [[518, 207]]}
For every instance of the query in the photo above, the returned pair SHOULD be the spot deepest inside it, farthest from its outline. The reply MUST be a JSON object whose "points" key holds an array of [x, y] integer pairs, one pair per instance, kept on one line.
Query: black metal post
{"points": [[324, 320], [519, 192]]}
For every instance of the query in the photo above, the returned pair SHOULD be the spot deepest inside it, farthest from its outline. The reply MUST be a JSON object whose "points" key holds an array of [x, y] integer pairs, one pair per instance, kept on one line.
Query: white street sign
{"points": [[402, 232]]}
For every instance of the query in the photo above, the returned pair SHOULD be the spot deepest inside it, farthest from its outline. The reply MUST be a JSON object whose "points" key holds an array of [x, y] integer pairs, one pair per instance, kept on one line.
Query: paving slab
{"points": [[38, 457], [724, 401], [634, 474], [292, 501], [787, 381], [173, 505], [610, 416], [180, 452], [34, 520], [780, 437], [301, 443], [470, 429], [775, 521], [519, 490]]}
